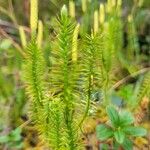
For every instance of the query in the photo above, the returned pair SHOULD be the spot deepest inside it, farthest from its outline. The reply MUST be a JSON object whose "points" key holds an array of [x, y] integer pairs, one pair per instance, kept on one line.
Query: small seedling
{"points": [[120, 128]]}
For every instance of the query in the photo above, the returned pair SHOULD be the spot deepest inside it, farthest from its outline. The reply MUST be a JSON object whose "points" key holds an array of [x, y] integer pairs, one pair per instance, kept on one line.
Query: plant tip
{"points": [[64, 11]]}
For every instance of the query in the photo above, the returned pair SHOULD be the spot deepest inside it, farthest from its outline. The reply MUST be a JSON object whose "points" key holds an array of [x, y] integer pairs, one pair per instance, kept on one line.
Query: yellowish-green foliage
{"points": [[145, 88], [79, 68]]}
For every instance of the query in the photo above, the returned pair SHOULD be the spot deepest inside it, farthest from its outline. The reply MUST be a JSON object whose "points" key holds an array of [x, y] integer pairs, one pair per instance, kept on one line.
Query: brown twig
{"points": [[16, 45], [25, 124], [11, 8], [124, 80]]}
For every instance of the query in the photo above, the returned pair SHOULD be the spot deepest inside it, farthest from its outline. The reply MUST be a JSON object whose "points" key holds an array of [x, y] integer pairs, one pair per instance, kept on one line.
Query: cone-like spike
{"points": [[72, 8], [75, 43], [96, 22], [33, 15], [101, 14], [84, 5], [64, 11], [40, 34], [22, 37]]}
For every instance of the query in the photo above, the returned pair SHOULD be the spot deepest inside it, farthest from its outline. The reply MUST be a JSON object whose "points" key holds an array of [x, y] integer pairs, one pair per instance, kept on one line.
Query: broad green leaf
{"points": [[116, 145], [104, 146], [113, 115], [119, 136], [135, 131], [126, 92], [16, 145], [126, 118], [127, 144], [15, 135], [103, 132], [4, 139]]}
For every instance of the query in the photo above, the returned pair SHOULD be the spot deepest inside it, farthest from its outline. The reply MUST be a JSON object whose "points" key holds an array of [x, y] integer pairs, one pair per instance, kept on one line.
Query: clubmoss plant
{"points": [[79, 68], [133, 47], [144, 90], [64, 78], [55, 113], [91, 66]]}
